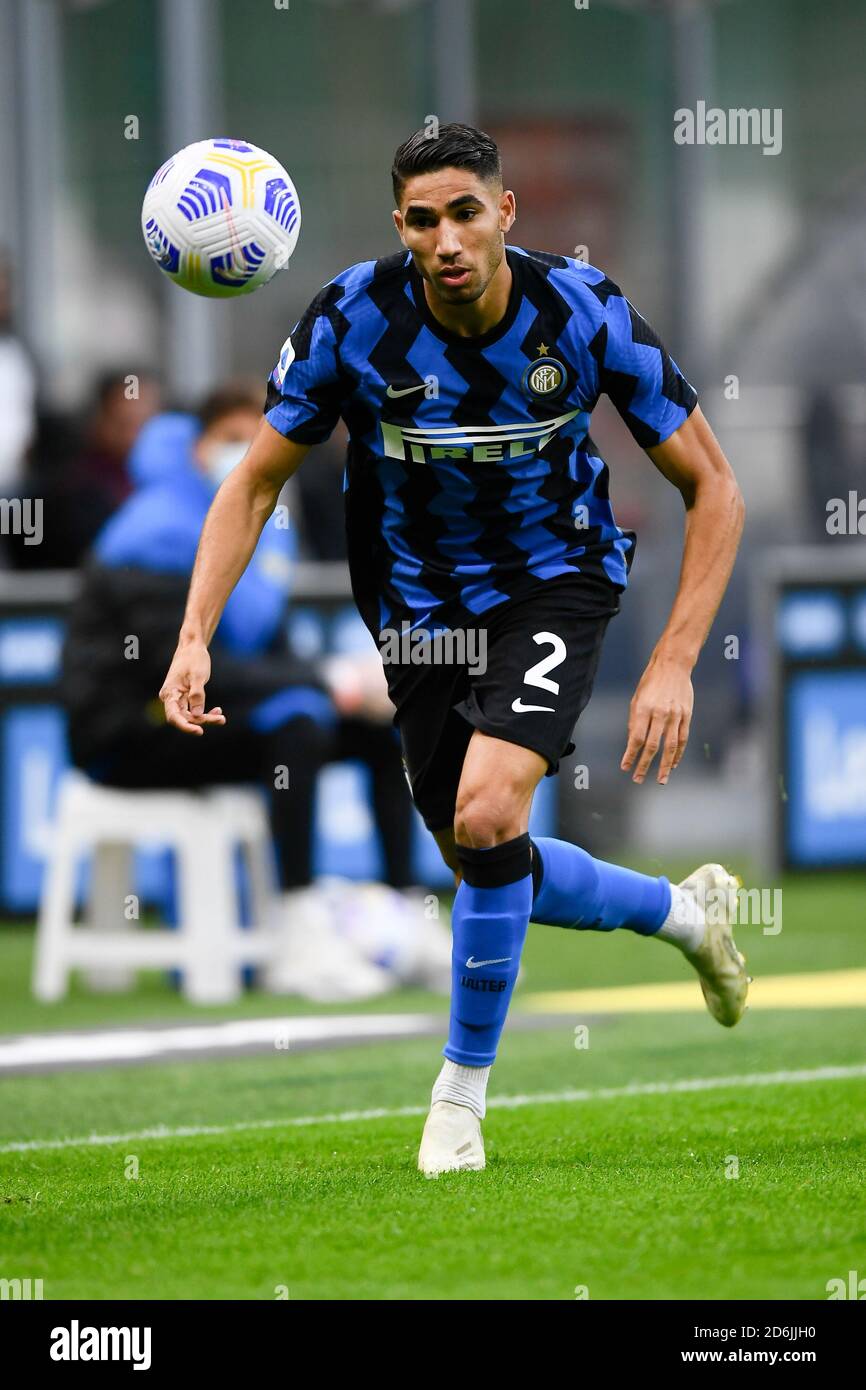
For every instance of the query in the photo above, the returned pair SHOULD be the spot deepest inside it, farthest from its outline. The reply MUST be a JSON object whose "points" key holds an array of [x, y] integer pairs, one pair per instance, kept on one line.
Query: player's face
{"points": [[454, 225]]}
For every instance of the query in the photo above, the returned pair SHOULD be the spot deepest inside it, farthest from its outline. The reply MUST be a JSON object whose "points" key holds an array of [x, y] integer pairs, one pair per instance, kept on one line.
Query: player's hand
{"points": [[182, 692], [659, 717]]}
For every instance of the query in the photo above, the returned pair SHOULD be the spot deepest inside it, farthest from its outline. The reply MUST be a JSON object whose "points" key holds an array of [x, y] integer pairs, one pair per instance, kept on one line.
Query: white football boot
{"points": [[721, 967], [451, 1140]]}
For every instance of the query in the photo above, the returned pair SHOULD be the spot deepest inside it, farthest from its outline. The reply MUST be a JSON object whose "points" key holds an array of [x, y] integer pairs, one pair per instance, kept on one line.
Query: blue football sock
{"points": [[574, 890], [488, 925]]}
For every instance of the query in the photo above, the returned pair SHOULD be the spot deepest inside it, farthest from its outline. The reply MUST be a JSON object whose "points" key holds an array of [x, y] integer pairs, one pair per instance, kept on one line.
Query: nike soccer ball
{"points": [[221, 217]]}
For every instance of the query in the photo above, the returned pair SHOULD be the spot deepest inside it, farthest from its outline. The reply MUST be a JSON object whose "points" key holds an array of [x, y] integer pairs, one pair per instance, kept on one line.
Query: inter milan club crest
{"points": [[543, 378]]}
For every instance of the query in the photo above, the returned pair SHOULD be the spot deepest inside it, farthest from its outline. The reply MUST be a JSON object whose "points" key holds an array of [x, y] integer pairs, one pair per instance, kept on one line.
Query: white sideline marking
{"points": [[131, 1044], [650, 1088]]}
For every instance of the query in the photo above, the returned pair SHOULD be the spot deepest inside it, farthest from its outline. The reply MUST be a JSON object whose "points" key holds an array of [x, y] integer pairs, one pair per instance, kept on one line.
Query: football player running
{"points": [[466, 372]]}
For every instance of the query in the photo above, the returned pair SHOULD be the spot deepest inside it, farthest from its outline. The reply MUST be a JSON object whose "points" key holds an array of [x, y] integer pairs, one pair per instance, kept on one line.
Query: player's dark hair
{"points": [[226, 399], [455, 146]]}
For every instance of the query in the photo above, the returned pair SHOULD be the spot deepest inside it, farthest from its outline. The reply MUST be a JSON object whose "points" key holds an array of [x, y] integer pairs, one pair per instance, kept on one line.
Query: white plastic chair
{"points": [[209, 944]]}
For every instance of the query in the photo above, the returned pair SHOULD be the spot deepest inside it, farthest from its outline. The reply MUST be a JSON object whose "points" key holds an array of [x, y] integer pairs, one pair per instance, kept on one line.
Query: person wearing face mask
{"points": [[284, 711]]}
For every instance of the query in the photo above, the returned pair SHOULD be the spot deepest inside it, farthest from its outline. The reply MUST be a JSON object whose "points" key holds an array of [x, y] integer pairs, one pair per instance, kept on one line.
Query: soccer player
{"points": [[466, 372]]}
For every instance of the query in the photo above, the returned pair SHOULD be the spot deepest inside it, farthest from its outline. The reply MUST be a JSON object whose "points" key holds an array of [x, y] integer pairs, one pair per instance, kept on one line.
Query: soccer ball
{"points": [[221, 217]]}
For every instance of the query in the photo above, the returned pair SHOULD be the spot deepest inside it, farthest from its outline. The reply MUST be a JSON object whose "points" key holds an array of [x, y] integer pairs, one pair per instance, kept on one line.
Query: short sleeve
{"points": [[307, 387], [637, 373]]}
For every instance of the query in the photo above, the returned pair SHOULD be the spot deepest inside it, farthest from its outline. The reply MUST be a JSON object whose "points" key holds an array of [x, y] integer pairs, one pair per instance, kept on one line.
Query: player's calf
{"points": [[572, 889], [489, 922]]}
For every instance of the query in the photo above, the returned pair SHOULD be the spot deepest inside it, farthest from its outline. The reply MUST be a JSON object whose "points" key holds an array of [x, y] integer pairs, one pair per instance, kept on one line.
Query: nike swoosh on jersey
{"points": [[473, 964], [520, 708], [404, 391]]}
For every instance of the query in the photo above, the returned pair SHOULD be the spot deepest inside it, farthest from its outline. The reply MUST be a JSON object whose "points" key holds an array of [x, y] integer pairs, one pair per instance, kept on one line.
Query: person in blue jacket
{"points": [[285, 713]]}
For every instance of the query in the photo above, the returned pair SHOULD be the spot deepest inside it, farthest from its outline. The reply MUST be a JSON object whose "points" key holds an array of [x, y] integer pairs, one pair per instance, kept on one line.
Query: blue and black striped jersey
{"points": [[471, 476]]}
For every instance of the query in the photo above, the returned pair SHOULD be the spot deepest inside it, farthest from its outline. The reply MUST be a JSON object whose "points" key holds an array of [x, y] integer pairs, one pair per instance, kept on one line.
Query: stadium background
{"points": [[750, 265]]}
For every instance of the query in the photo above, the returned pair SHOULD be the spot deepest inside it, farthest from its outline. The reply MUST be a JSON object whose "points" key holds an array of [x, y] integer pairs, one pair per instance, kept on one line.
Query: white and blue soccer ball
{"points": [[221, 217]]}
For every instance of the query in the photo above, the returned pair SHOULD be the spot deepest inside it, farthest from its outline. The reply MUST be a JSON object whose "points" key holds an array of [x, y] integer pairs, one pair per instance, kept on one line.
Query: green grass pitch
{"points": [[623, 1196]]}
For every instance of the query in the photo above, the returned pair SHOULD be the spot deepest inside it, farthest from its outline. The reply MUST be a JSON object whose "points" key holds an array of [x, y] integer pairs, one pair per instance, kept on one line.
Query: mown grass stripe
{"points": [[650, 1088]]}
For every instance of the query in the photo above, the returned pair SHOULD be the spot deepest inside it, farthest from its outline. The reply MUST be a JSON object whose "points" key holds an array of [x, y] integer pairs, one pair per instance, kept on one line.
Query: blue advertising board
{"points": [[819, 627], [826, 761]]}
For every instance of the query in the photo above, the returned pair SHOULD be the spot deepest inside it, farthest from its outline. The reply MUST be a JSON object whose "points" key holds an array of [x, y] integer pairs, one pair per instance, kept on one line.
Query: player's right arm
{"points": [[229, 536], [304, 399]]}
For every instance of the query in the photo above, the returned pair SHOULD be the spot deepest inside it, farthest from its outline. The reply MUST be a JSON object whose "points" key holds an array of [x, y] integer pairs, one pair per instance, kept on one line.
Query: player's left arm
{"points": [[661, 709]]}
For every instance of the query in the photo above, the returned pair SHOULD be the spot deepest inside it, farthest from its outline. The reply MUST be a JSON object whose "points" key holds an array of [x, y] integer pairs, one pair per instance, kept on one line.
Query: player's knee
{"points": [[482, 820]]}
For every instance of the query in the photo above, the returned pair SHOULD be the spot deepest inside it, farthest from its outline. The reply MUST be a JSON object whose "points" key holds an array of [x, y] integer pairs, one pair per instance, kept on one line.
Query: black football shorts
{"points": [[532, 667]]}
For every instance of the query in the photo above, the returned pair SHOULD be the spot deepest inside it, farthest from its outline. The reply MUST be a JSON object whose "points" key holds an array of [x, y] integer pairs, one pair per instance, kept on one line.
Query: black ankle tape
{"points": [[493, 868], [537, 869]]}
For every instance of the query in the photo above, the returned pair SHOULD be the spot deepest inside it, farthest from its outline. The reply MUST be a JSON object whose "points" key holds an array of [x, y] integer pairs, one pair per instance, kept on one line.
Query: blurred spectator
{"points": [[281, 712], [17, 392], [17, 409], [95, 480]]}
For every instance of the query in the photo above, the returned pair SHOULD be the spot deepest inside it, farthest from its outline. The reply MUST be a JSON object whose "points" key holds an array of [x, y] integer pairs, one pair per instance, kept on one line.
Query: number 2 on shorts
{"points": [[537, 674]]}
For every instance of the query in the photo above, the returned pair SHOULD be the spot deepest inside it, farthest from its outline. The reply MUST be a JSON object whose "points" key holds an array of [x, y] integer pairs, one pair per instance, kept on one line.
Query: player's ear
{"points": [[398, 223], [507, 210]]}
